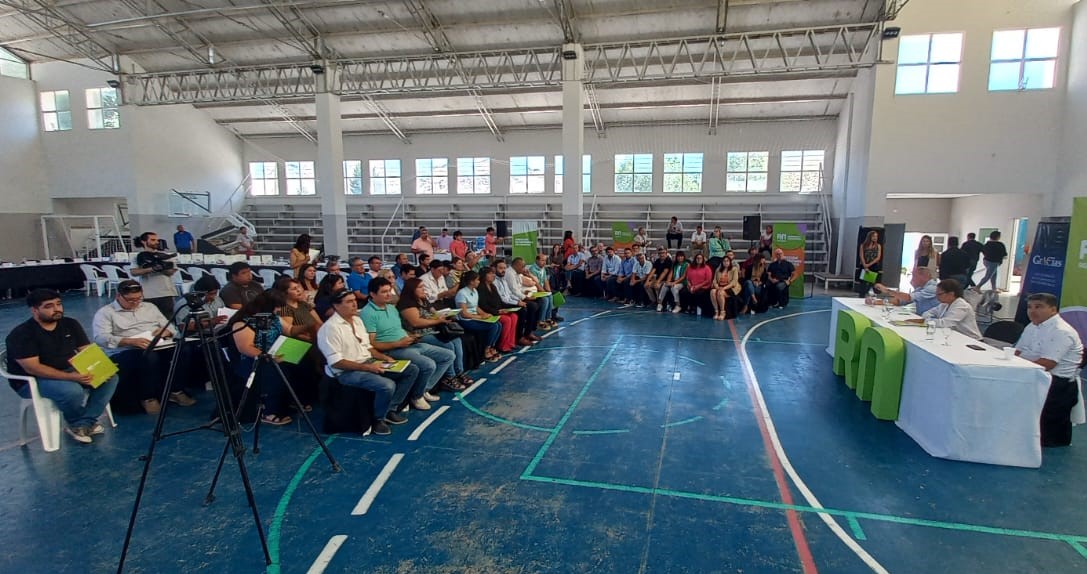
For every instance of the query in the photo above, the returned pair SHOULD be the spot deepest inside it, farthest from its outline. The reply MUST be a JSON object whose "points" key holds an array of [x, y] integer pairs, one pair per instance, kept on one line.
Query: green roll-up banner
{"points": [[621, 235], [525, 240], [790, 238], [1074, 288]]}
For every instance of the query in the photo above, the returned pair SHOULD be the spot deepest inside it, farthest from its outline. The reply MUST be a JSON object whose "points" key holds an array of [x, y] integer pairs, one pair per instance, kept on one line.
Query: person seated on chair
{"points": [[359, 280], [662, 270], [41, 347], [424, 243], [401, 263], [330, 285], [574, 272], [432, 327], [251, 343], [1051, 342], [474, 319], [953, 312], [636, 286], [243, 243], [538, 271], [675, 284], [240, 288], [373, 266], [511, 290], [719, 246], [155, 275], [124, 329], [698, 241], [622, 281], [726, 285], [780, 273], [387, 335], [924, 291], [350, 354], [437, 292], [209, 286], [609, 275], [699, 285], [490, 301], [523, 283]]}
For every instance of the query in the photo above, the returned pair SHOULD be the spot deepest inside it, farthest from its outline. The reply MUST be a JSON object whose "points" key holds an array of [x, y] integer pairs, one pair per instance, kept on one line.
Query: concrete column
{"points": [[573, 140], [330, 173], [855, 202]]}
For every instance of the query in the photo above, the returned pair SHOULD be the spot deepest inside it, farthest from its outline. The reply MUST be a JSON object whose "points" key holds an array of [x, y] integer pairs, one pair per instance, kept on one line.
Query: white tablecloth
{"points": [[959, 403]]}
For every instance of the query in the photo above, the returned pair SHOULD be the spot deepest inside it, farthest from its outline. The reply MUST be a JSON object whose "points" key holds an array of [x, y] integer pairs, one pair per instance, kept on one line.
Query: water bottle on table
{"points": [[930, 329]]}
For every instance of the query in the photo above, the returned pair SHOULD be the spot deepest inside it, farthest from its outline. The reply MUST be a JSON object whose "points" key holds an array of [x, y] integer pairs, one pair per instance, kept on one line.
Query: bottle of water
{"points": [[870, 298]]}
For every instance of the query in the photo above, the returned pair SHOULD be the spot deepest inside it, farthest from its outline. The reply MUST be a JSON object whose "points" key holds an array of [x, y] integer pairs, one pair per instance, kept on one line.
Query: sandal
{"points": [[465, 380], [307, 408], [276, 420]]}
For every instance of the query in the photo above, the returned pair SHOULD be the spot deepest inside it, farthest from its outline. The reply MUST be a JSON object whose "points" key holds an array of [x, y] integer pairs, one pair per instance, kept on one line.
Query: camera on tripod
{"points": [[195, 299], [156, 261], [261, 321]]}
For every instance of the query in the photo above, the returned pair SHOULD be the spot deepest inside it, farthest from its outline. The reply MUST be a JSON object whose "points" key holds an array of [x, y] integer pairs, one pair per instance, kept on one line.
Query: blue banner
{"points": [[1045, 268]]}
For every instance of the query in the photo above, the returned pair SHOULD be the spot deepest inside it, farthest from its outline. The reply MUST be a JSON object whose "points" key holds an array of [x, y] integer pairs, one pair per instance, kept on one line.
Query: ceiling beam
{"points": [[722, 16], [137, 7], [566, 16], [65, 30]]}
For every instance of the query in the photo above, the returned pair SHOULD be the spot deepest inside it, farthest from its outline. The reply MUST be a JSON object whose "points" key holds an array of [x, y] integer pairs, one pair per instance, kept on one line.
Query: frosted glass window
{"points": [[682, 172], [352, 177], [384, 177], [928, 64], [802, 171], [634, 173], [56, 111], [432, 176], [586, 173], [263, 178], [473, 175], [301, 179], [747, 171], [1024, 59]]}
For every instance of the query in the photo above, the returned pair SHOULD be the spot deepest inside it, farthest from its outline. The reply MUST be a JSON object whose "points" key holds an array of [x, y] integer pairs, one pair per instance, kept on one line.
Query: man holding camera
{"points": [[155, 272]]}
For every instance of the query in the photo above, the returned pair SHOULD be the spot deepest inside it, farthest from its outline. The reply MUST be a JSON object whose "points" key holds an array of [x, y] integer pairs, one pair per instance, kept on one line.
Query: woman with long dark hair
{"points": [[250, 343], [419, 317], [491, 302], [474, 319], [307, 278], [871, 253], [328, 286], [726, 283], [300, 252], [569, 246], [699, 282]]}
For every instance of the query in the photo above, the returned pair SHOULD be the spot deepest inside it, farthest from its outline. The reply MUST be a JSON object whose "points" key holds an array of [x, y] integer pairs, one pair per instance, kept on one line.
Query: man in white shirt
{"points": [[609, 274], [345, 343], [642, 269], [155, 274], [435, 286], [1051, 342], [508, 285], [953, 312], [243, 243], [698, 242]]}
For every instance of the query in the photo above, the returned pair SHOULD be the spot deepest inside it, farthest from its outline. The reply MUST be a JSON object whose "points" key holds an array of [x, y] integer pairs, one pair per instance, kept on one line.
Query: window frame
{"points": [[97, 114], [533, 180], [929, 65], [352, 166], [803, 170], [253, 179], [470, 183], [53, 111], [13, 62], [384, 180], [299, 182], [586, 172], [685, 175], [431, 177], [748, 172], [1023, 60], [634, 173]]}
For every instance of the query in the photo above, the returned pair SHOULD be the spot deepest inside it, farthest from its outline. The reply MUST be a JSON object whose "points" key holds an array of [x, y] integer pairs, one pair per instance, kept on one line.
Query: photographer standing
{"points": [[155, 271]]}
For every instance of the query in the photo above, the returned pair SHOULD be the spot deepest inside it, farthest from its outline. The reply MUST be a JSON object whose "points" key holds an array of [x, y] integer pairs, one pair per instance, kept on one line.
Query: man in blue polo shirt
{"points": [[609, 274], [626, 271], [359, 280], [387, 335], [183, 240]]}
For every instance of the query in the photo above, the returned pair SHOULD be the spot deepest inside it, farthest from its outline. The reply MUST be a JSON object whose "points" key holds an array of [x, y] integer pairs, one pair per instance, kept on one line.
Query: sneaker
{"points": [[557, 319], [431, 398], [380, 428], [181, 399], [660, 308], [97, 429], [80, 434], [676, 310], [419, 404], [395, 418], [151, 406]]}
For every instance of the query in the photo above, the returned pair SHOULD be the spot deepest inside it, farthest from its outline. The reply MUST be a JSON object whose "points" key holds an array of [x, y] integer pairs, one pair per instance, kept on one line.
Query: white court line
{"points": [[553, 331], [371, 493], [675, 376], [503, 365], [467, 391], [415, 434], [801, 486], [325, 557]]}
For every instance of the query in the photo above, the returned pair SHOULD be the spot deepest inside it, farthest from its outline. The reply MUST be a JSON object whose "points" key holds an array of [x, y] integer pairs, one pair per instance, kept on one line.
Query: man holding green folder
{"points": [[42, 347]]}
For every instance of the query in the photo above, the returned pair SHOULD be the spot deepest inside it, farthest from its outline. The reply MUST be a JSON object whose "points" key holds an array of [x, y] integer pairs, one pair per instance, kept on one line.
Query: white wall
{"points": [[1072, 173], [23, 192], [920, 215], [974, 141], [769, 136]]}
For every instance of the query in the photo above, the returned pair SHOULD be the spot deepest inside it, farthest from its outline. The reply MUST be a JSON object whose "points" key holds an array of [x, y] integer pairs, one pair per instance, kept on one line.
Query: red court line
{"points": [[795, 526]]}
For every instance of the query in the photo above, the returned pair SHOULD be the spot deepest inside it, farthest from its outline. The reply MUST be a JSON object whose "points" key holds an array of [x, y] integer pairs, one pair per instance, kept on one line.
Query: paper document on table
{"points": [[226, 312], [162, 344], [906, 323]]}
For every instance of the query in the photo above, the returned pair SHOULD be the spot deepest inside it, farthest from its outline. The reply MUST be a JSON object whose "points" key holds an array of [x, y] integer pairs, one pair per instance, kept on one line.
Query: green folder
{"points": [[393, 367], [512, 309], [92, 360], [292, 350], [869, 276], [540, 294]]}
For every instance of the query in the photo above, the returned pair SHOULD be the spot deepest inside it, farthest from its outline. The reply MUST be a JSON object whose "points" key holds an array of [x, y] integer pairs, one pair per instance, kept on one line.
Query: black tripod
{"points": [[261, 322]]}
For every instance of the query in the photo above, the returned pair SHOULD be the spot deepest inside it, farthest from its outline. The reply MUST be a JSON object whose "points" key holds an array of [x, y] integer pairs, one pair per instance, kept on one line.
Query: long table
{"points": [[960, 403]]}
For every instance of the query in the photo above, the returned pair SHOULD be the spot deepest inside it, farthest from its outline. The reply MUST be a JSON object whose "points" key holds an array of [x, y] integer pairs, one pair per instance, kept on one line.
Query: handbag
{"points": [[449, 331]]}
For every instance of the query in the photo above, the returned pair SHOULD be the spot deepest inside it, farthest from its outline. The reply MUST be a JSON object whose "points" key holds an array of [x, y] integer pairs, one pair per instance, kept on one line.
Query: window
{"points": [[384, 177], [432, 176], [1024, 59], [263, 178], [747, 171], [586, 173], [56, 111], [352, 177], [103, 111], [802, 171], [527, 174], [634, 173], [682, 172], [12, 65], [300, 178], [929, 64], [473, 175]]}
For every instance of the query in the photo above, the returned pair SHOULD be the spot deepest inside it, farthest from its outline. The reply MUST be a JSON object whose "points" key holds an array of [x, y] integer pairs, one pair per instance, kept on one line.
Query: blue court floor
{"points": [[627, 442]]}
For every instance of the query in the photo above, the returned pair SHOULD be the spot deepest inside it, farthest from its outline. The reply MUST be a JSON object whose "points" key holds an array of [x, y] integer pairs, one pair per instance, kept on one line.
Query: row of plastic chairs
{"points": [[104, 280]]}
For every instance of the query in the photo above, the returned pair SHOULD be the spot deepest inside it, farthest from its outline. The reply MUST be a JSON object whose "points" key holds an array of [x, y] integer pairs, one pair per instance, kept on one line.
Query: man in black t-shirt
{"points": [[993, 254], [41, 347], [954, 262], [780, 273], [972, 247], [662, 271]]}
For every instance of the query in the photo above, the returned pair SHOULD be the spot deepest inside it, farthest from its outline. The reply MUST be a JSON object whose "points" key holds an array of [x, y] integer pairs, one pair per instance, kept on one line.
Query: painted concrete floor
{"points": [[626, 442]]}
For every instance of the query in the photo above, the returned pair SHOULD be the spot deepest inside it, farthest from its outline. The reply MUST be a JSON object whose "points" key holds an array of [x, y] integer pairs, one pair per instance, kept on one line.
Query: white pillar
{"points": [[330, 173], [573, 139]]}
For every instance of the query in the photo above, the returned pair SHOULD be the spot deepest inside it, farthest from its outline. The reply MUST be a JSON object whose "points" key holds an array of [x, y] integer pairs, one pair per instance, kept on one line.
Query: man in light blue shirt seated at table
{"points": [[923, 294]]}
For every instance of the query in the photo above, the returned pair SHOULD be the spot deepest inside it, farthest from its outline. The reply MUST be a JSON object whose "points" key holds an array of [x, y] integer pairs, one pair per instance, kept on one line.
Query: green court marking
{"points": [[1071, 539], [606, 431], [497, 418], [855, 526], [693, 360], [274, 533], [682, 422], [570, 411], [721, 404]]}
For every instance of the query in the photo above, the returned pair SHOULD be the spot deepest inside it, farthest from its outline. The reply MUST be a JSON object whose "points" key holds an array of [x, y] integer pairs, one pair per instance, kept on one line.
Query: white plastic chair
{"points": [[268, 277], [113, 272], [289, 273], [49, 416], [220, 275], [183, 285], [92, 277], [196, 272]]}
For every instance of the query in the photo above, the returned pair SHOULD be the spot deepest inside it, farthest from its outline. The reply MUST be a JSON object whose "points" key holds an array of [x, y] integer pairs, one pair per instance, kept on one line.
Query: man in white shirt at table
{"points": [[923, 294], [953, 312], [1051, 342]]}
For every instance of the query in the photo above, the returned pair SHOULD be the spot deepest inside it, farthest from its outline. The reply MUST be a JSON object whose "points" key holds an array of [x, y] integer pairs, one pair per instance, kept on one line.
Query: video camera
{"points": [[261, 321], [156, 261]]}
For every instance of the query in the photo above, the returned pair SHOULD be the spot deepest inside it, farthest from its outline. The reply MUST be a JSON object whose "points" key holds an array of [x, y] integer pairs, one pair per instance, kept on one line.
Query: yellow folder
{"points": [[92, 360]]}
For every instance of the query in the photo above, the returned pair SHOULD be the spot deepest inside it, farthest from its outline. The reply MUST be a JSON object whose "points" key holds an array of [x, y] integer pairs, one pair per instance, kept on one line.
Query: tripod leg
{"points": [[215, 479], [305, 416]]}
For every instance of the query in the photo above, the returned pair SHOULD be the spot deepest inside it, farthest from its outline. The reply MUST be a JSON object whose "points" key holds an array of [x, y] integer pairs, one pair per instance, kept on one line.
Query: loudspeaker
{"points": [[752, 227], [501, 228]]}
